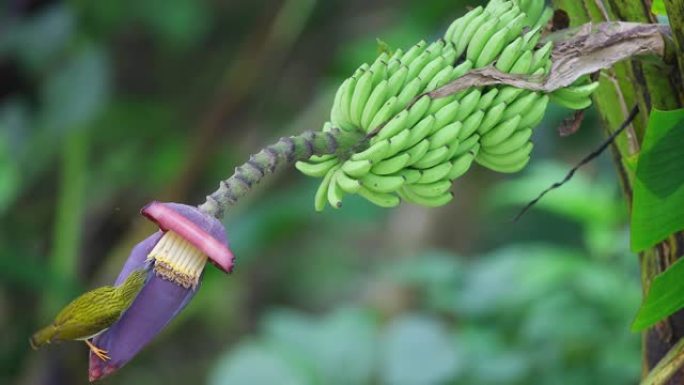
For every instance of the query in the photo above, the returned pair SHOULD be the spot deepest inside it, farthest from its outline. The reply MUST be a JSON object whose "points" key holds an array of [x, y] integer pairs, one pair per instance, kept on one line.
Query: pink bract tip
{"points": [[169, 219]]}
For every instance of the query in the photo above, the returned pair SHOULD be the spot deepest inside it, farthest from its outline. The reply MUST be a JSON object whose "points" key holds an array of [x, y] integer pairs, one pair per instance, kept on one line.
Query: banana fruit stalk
{"points": [[420, 145]]}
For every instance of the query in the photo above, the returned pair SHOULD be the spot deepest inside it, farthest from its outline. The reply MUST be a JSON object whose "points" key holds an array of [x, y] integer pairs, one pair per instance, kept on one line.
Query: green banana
{"points": [[523, 64], [379, 69], [321, 158], [418, 151], [410, 175], [430, 190], [441, 78], [316, 170], [517, 140], [467, 145], [521, 105], [535, 113], [546, 15], [510, 54], [382, 183], [393, 66], [449, 54], [574, 95], [327, 126], [383, 115], [531, 38], [480, 38], [447, 114], [455, 25], [322, 191], [397, 80], [396, 54], [460, 165], [541, 56], [418, 110], [398, 142], [431, 69], [461, 69], [364, 86], [508, 94], [391, 165], [335, 192], [412, 197], [379, 199], [376, 99], [492, 118], [516, 26], [492, 49], [432, 158], [487, 99], [336, 114], [435, 173], [439, 103], [501, 132], [357, 168], [413, 52], [394, 126], [534, 11], [469, 31], [359, 71], [375, 153], [421, 130], [407, 94], [471, 124], [506, 18], [572, 104], [445, 135], [497, 7], [347, 183], [468, 104], [456, 30], [507, 163], [343, 114], [417, 65], [435, 49]]}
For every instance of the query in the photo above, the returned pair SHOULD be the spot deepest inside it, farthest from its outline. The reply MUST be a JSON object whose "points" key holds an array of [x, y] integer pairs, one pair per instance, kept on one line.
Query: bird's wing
{"points": [[89, 314]]}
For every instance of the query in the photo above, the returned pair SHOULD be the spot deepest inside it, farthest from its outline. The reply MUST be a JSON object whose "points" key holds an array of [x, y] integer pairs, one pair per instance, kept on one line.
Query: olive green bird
{"points": [[91, 314]]}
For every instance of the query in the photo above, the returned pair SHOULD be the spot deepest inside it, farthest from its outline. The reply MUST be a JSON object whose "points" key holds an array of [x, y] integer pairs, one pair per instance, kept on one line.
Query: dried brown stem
{"points": [[585, 50]]}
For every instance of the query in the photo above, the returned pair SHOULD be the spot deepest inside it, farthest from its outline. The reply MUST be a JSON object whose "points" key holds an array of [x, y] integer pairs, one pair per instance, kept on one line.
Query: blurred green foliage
{"points": [[107, 105], [526, 313], [656, 213], [658, 8], [659, 186]]}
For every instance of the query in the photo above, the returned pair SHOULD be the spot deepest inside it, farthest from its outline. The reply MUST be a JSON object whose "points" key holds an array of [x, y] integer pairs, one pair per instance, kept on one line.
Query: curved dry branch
{"points": [[578, 52]]}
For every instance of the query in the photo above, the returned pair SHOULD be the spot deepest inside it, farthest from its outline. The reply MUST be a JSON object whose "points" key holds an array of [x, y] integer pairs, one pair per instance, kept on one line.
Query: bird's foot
{"points": [[100, 353]]}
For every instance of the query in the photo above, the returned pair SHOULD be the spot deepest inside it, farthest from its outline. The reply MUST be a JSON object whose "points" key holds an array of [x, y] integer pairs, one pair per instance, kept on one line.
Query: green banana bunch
{"points": [[418, 145]]}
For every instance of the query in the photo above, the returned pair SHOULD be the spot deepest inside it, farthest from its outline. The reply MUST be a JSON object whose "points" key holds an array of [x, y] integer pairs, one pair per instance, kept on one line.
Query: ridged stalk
{"points": [[287, 150]]}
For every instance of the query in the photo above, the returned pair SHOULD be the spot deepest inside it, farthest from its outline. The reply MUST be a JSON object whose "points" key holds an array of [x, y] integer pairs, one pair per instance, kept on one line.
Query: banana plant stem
{"points": [[287, 150], [667, 366]]}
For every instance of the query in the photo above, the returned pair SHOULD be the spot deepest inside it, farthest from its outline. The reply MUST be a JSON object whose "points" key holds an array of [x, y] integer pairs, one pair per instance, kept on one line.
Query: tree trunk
{"points": [[648, 84]]}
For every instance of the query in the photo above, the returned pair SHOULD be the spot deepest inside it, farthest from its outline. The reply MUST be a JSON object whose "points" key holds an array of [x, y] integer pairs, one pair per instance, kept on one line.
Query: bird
{"points": [[91, 314]]}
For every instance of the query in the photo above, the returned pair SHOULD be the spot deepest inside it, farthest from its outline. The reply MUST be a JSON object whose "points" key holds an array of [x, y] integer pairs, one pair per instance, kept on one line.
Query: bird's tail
{"points": [[42, 336]]}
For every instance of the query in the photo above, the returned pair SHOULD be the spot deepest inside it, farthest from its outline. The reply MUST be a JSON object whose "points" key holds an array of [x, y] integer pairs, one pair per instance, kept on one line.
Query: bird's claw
{"points": [[100, 353]]}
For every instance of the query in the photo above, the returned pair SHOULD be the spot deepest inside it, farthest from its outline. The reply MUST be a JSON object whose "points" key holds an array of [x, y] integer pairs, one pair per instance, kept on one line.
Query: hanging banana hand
{"points": [[419, 147]]}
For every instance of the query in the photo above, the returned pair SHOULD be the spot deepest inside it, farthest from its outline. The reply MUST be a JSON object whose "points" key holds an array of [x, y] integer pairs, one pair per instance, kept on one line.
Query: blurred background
{"points": [[106, 105]]}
